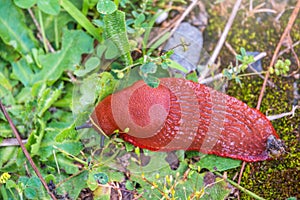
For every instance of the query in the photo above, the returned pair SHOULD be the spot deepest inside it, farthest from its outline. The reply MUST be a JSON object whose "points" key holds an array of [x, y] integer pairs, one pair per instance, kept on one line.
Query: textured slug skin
{"points": [[183, 115]]}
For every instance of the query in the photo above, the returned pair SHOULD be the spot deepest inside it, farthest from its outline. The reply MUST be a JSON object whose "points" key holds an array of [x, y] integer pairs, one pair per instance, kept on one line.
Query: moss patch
{"points": [[274, 179]]}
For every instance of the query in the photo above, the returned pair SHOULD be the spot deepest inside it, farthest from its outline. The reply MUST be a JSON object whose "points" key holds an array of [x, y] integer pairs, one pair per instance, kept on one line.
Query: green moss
{"points": [[278, 178], [275, 178]]}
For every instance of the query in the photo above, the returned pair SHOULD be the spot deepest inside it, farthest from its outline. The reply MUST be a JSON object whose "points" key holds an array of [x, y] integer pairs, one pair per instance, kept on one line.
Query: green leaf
{"points": [[107, 83], [8, 53], [151, 81], [100, 50], [291, 198], [30, 193], [84, 96], [8, 158], [25, 4], [81, 19], [74, 185], [216, 163], [23, 72], [24, 95], [92, 63], [34, 182], [129, 185], [66, 164], [101, 178], [239, 57], [46, 148], [10, 184], [160, 41], [139, 20], [92, 183], [54, 26], [35, 138], [243, 51], [192, 77], [106, 6], [50, 177], [5, 130], [129, 146], [115, 30], [47, 98], [5, 82], [13, 29], [74, 44], [50, 7], [23, 179], [67, 134], [175, 65], [112, 50], [149, 68]]}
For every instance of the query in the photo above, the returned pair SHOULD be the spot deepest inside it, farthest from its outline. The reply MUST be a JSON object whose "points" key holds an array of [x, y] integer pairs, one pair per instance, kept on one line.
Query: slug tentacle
{"points": [[183, 115]]}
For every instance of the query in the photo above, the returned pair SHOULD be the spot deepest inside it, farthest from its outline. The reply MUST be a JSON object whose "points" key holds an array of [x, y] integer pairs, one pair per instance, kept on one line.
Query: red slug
{"points": [[183, 115]]}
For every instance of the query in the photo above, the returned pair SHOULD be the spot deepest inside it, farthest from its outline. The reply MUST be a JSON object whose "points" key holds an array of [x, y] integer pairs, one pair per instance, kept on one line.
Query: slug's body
{"points": [[183, 115]]}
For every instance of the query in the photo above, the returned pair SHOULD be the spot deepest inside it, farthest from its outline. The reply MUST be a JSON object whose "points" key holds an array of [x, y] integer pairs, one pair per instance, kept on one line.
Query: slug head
{"points": [[275, 146]]}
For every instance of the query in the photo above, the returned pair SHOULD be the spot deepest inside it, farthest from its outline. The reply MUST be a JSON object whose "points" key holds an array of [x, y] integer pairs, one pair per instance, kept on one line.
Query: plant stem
{"points": [[27, 155], [43, 30], [70, 155], [81, 19], [56, 33], [241, 188]]}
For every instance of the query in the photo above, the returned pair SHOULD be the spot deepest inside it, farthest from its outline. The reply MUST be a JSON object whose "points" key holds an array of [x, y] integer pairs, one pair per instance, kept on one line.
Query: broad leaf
{"points": [[173, 64], [25, 4], [36, 137], [74, 44], [50, 7], [74, 185], [34, 182], [8, 159], [22, 72], [106, 6], [91, 64], [81, 19], [149, 68], [7, 53], [4, 82], [66, 164], [54, 26], [13, 30], [47, 98], [47, 147], [216, 163]]}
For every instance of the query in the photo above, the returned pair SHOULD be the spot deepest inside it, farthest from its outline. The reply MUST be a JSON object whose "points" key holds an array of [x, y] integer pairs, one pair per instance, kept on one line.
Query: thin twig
{"points": [[274, 58], [288, 48], [39, 29], [163, 32], [11, 142], [220, 75], [241, 174], [240, 187], [250, 65], [16, 133], [221, 40], [186, 12], [292, 112]]}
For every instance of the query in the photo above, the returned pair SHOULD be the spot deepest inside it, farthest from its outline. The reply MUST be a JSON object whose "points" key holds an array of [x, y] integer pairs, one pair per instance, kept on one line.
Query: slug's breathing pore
{"points": [[183, 115]]}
